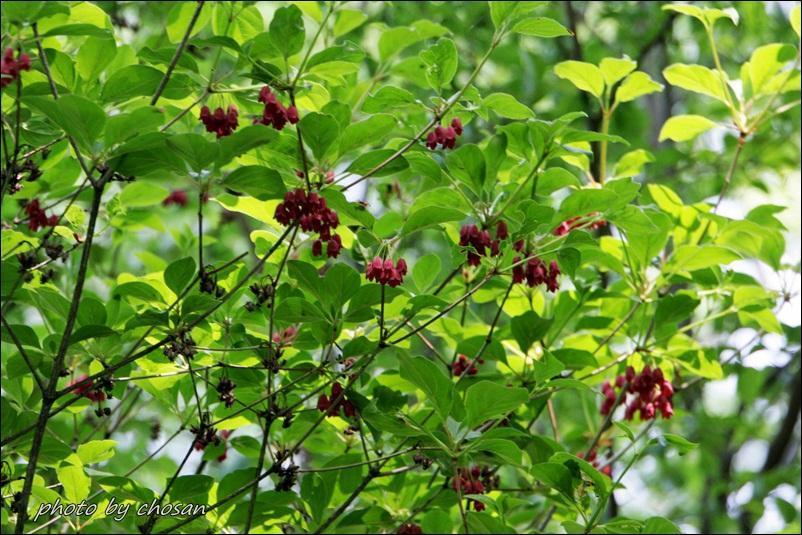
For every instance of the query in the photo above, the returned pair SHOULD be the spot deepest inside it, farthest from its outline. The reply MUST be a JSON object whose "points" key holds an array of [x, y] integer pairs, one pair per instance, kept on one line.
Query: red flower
{"points": [[223, 123], [459, 366], [573, 223], [384, 272], [456, 124], [274, 113], [178, 197], [286, 337], [338, 400], [313, 215], [650, 393], [37, 217], [86, 387], [10, 67], [445, 137]]}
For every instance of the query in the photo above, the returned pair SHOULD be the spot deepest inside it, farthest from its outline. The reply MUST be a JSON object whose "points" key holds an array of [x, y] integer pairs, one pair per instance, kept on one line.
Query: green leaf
{"points": [[341, 282], [123, 126], [584, 76], [658, 524], [77, 116], [467, 164], [78, 29], [287, 30], [430, 216], [75, 482], [794, 18], [319, 132], [682, 444], [636, 85], [615, 69], [707, 16], [441, 63], [178, 274], [387, 97], [504, 450], [540, 27], [429, 378], [179, 17], [185, 488], [298, 310], [370, 131], [697, 78], [485, 400], [347, 20], [243, 140], [529, 328], [765, 63], [142, 80], [86, 332], [555, 178], [694, 257], [555, 476], [95, 54], [96, 451], [507, 106], [500, 11], [547, 367], [257, 181], [426, 270], [368, 161], [685, 127], [194, 149]]}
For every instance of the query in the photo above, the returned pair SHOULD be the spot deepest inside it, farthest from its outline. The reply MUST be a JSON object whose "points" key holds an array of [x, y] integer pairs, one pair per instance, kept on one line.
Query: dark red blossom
{"points": [[384, 272], [178, 197], [274, 113], [470, 235], [223, 123], [332, 405], [446, 137], [463, 363], [10, 67], [534, 272], [224, 439], [83, 386], [573, 223], [475, 480], [286, 337], [312, 215], [408, 528], [647, 393], [37, 217]]}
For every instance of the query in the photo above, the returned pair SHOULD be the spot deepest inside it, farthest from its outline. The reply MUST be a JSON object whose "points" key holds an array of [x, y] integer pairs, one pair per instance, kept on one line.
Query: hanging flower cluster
{"points": [[10, 67], [331, 405], [313, 215], [470, 235], [445, 137], [463, 363], [475, 480], [534, 272], [223, 123], [384, 272], [649, 392], [274, 113], [178, 197], [37, 217]]}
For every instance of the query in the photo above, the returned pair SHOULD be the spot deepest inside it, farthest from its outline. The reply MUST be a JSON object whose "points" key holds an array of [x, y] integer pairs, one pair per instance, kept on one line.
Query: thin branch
{"points": [[177, 55]]}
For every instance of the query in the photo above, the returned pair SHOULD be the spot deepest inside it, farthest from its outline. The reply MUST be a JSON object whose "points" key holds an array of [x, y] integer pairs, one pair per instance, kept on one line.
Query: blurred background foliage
{"points": [[745, 475]]}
